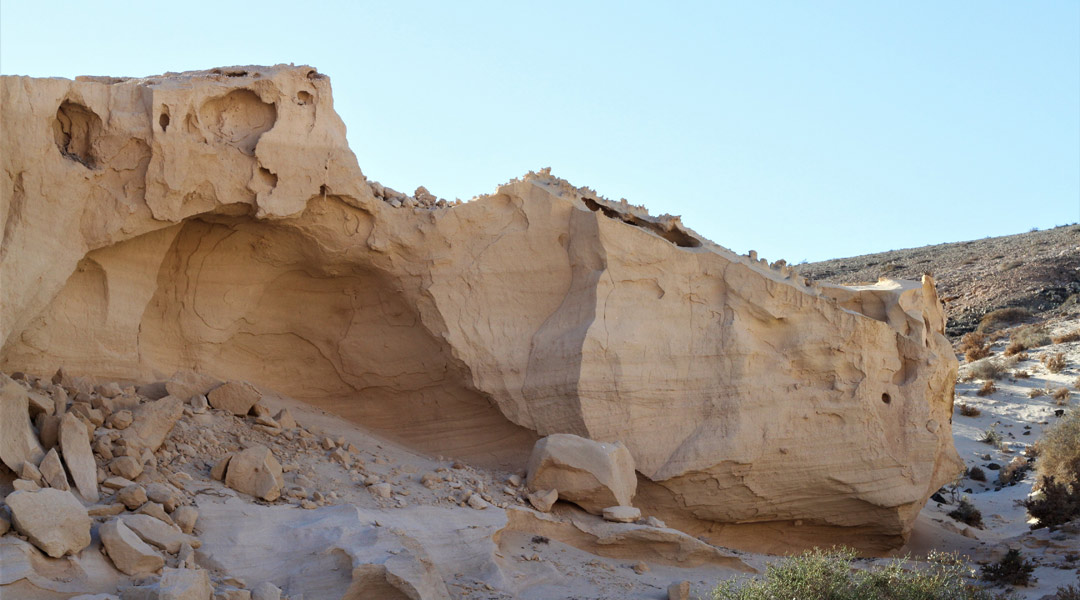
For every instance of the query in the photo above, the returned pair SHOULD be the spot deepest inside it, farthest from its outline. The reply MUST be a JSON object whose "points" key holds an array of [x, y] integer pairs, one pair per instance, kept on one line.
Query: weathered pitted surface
{"points": [[217, 221]]}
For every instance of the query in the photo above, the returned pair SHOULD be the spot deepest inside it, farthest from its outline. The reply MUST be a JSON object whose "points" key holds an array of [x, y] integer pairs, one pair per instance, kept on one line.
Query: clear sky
{"points": [[804, 130]]}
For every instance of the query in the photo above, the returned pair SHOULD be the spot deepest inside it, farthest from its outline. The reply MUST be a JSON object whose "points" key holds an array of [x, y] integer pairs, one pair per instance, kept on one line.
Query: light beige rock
{"points": [[247, 237], [116, 483], [5, 523], [79, 457], [127, 551], [591, 474], [622, 514], [25, 485], [53, 520], [175, 584], [105, 510], [679, 591], [236, 397], [185, 518], [132, 496], [152, 423], [48, 430], [121, 419], [219, 468], [53, 472], [31, 472], [543, 500], [255, 471], [127, 467], [163, 494], [158, 533], [186, 383], [18, 443], [39, 404], [155, 510], [285, 419], [266, 591]]}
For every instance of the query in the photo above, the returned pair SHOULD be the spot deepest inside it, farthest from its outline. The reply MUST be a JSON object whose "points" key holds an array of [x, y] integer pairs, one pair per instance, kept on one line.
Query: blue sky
{"points": [[804, 130]]}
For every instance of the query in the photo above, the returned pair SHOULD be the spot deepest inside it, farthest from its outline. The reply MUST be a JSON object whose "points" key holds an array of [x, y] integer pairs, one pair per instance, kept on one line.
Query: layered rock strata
{"points": [[217, 221]]}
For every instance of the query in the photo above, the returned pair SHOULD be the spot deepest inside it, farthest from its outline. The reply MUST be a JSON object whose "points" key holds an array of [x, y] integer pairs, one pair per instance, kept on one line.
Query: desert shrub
{"points": [[1014, 471], [1054, 362], [1076, 384], [1012, 569], [991, 436], [1028, 337], [974, 354], [1036, 392], [987, 388], [1059, 449], [1001, 317], [968, 410], [966, 513], [1021, 375], [1014, 348], [1061, 395], [987, 368], [1072, 336], [1055, 503], [976, 474], [1069, 592], [831, 575], [974, 346]]}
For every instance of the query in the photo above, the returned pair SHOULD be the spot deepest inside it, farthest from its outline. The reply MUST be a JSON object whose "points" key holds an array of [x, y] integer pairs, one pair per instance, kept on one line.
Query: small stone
{"points": [[477, 502], [199, 404], [266, 421], [109, 390], [78, 456], [53, 520], [654, 522], [641, 568], [155, 510], [327, 443], [266, 591], [126, 466], [514, 480], [186, 557], [679, 591], [255, 471], [184, 584], [339, 455], [103, 448], [121, 419], [382, 490], [185, 518], [105, 510], [543, 500], [285, 419], [430, 480], [25, 485], [117, 483], [127, 550], [158, 533], [163, 494], [52, 472], [133, 496], [622, 514], [29, 471], [308, 504]]}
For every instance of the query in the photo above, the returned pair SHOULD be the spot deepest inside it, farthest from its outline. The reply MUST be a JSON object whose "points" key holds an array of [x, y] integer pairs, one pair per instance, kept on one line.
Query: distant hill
{"points": [[1039, 271]]}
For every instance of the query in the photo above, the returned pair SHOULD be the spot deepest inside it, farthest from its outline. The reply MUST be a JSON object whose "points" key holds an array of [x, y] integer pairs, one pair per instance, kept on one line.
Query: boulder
{"points": [[18, 443], [266, 591], [127, 467], [185, 518], [152, 423], [121, 419], [79, 458], [219, 468], [127, 551], [543, 500], [236, 397], [591, 474], [48, 430], [185, 384], [53, 520], [132, 496], [158, 533], [255, 471], [53, 472], [163, 494]]}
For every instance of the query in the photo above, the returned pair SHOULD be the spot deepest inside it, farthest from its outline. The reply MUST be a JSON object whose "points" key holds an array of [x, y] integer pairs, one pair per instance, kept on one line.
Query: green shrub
{"points": [[829, 575], [966, 513], [1013, 569]]}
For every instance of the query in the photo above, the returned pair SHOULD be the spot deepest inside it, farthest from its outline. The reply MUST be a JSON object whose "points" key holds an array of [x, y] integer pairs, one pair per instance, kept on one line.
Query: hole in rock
{"points": [[886, 398], [670, 232], [163, 120], [239, 118], [304, 98], [76, 130]]}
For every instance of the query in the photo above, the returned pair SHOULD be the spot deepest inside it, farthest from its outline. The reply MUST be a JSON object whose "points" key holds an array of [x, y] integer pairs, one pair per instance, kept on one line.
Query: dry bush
{"points": [[968, 410], [1056, 502], [1029, 336], [1054, 362], [987, 388], [986, 369], [1014, 471], [1069, 592], [966, 513], [1002, 317], [1072, 336], [1014, 348], [976, 474], [1059, 449], [1036, 392], [1021, 357], [975, 354], [991, 436], [1076, 384], [1021, 375], [974, 346], [1061, 395]]}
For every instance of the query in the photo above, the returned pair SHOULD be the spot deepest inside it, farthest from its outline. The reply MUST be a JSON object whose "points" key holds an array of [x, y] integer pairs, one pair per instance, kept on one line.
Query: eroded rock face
{"points": [[217, 221]]}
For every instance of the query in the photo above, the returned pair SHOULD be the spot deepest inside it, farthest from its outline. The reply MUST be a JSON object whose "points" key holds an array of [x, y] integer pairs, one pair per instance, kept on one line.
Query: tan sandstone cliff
{"points": [[217, 220]]}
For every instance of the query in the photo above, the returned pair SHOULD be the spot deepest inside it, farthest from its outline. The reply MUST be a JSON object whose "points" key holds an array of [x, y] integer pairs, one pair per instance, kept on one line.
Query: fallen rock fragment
{"points": [[163, 494], [53, 520], [31, 472], [127, 550], [236, 397], [185, 518], [219, 468], [158, 533], [679, 591], [120, 419], [127, 467], [133, 496], [18, 443], [266, 591], [255, 471], [622, 514], [185, 384], [155, 510], [591, 474], [152, 422], [78, 456], [285, 419], [543, 500]]}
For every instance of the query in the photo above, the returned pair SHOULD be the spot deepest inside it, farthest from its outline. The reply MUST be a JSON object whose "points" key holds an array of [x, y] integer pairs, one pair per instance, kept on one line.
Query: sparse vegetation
{"points": [[976, 474], [1002, 317], [1059, 449], [968, 410], [1060, 395], [1036, 392], [1014, 348], [974, 346], [1054, 362], [1069, 592], [1028, 337], [1021, 375], [1014, 471], [1054, 504], [987, 369], [1072, 336], [1012, 569], [831, 575], [966, 513], [987, 388], [991, 436]]}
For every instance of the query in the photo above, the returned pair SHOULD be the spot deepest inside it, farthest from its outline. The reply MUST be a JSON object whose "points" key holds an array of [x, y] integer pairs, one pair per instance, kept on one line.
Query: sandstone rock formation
{"points": [[594, 475], [216, 221]]}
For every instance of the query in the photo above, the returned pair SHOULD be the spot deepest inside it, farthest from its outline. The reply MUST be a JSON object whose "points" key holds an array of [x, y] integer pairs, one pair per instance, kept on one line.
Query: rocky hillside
{"points": [[1038, 271]]}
